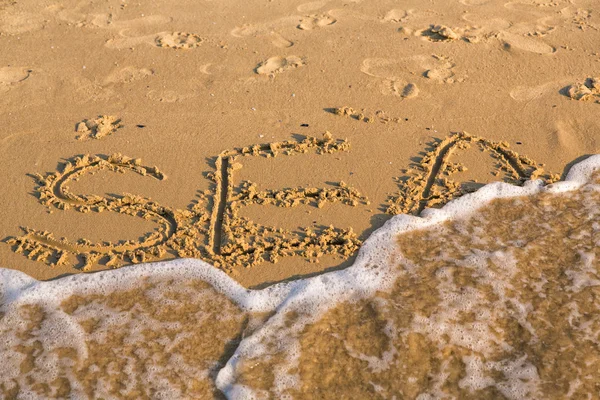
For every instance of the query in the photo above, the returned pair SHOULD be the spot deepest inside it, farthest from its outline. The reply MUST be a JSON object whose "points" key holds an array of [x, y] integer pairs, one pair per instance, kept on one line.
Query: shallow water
{"points": [[163, 339], [502, 304], [494, 296]]}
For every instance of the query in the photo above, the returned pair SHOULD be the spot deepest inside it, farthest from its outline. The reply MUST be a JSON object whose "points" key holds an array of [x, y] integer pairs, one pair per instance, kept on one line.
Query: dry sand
{"points": [[201, 90]]}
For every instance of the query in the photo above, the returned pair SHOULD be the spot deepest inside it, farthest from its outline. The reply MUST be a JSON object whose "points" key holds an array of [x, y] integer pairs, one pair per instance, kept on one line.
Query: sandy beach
{"points": [[267, 141]]}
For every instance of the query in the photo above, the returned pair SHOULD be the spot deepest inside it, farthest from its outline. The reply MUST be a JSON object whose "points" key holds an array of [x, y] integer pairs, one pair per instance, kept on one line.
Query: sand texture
{"points": [[332, 199]]}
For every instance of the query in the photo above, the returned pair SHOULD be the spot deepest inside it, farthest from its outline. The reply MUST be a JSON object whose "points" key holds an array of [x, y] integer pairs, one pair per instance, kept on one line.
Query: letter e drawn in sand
{"points": [[236, 240]]}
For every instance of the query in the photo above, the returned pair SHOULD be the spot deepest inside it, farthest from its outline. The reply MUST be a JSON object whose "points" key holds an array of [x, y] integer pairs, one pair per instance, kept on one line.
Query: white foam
{"points": [[12, 284], [372, 271], [17, 286]]}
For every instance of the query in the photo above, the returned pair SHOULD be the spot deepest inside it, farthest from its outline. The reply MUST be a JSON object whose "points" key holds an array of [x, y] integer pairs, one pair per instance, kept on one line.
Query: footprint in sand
{"points": [[523, 34], [396, 74], [80, 19], [87, 90], [108, 88], [167, 96], [171, 40], [269, 30], [10, 76], [278, 64], [441, 75], [279, 41], [175, 40], [569, 136], [178, 40], [439, 33], [311, 22], [98, 128], [393, 78], [586, 91], [265, 28], [524, 43], [440, 69], [399, 88], [274, 37], [312, 6], [127, 75], [580, 17], [528, 93], [396, 16], [418, 17]]}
